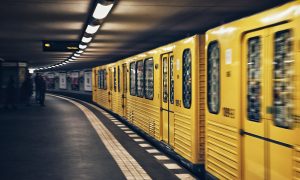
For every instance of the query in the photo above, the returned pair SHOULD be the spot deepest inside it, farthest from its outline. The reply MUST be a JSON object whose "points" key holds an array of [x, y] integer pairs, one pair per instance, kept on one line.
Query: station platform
{"points": [[72, 139]]}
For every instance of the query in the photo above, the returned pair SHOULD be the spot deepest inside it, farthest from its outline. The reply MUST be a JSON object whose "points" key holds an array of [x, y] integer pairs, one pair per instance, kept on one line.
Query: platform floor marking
{"points": [[117, 123], [152, 151], [138, 140], [129, 132], [128, 165], [145, 145], [172, 166], [121, 125], [133, 135], [125, 128], [161, 157], [185, 176]]}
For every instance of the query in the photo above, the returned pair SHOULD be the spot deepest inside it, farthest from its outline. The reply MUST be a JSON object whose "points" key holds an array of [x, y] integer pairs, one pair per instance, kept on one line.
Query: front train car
{"points": [[253, 97]]}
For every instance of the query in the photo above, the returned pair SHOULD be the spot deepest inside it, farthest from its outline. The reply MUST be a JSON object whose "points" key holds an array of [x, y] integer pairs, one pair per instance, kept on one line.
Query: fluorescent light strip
{"points": [[76, 55], [80, 51], [86, 39], [101, 11], [92, 29]]}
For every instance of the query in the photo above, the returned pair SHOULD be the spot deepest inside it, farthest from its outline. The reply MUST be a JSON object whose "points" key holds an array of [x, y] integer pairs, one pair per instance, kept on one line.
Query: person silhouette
{"points": [[10, 92]]}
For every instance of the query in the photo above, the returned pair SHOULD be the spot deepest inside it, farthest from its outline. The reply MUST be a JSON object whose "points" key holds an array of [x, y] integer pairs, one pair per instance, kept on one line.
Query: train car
{"points": [[162, 92], [253, 96]]}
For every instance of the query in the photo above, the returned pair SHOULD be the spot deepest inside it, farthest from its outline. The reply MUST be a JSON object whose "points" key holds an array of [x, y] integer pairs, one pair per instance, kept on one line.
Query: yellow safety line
{"points": [[128, 165]]}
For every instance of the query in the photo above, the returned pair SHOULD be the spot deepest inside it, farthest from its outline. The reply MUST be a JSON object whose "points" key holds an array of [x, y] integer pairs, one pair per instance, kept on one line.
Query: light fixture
{"points": [[101, 11], [64, 63], [73, 57], [92, 29], [86, 39], [80, 51], [76, 55], [82, 46]]}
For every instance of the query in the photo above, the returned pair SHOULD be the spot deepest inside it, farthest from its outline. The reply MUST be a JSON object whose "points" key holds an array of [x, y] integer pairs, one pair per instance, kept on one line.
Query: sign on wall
{"points": [[88, 81], [62, 80]]}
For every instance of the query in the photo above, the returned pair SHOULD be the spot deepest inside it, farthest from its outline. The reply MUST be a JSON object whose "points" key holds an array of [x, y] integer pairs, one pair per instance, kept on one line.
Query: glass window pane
{"points": [[140, 78], [172, 80], [165, 79], [115, 79], [283, 80], [99, 79], [104, 79], [187, 78], [213, 78], [254, 79], [132, 79], [149, 78]]}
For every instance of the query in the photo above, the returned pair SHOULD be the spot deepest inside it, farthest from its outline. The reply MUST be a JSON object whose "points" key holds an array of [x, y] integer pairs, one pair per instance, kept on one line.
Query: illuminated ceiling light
{"points": [[92, 29], [47, 45], [67, 61], [64, 63], [80, 51], [82, 46], [101, 11], [76, 55], [73, 57], [86, 40]]}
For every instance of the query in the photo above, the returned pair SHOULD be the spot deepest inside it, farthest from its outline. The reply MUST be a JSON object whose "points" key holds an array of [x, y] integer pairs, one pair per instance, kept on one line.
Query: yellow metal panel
{"points": [[281, 162], [223, 141], [254, 158]]}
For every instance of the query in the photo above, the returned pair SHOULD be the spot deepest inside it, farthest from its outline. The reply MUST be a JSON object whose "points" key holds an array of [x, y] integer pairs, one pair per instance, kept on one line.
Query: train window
{"points": [[115, 79], [140, 78], [99, 79], [132, 79], [213, 77], [172, 79], [149, 78], [118, 78], [104, 79], [254, 84], [165, 79], [187, 78], [283, 79]]}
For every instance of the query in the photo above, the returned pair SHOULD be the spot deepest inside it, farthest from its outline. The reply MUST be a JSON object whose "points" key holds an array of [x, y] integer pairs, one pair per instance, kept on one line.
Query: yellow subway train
{"points": [[229, 99]]}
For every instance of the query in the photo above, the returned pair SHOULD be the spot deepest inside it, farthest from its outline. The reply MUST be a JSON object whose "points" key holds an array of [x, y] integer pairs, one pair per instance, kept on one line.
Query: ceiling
{"points": [[132, 27]]}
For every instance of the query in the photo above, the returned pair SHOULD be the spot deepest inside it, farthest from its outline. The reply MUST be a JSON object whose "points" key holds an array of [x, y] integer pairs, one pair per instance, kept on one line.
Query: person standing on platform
{"points": [[10, 99], [27, 90], [42, 90], [37, 87]]}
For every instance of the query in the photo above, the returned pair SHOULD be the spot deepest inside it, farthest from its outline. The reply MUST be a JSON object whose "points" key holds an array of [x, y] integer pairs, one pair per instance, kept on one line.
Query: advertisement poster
{"points": [[88, 81], [75, 81], [62, 80]]}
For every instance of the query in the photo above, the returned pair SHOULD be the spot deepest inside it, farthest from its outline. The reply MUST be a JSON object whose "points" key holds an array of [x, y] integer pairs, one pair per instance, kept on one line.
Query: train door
{"points": [[267, 114], [167, 91], [110, 86], [254, 122], [124, 89], [281, 101], [95, 84]]}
